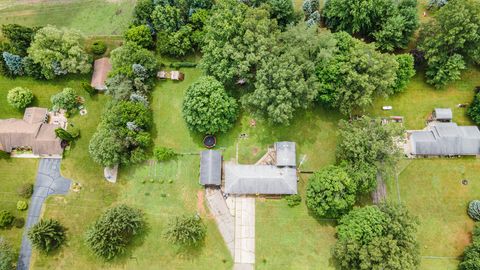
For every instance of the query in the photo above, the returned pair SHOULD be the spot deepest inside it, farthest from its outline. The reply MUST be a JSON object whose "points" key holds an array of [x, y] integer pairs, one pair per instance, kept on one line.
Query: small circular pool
{"points": [[209, 141]]}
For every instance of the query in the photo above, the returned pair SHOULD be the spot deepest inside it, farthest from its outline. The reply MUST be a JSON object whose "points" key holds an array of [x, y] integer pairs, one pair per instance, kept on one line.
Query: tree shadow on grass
{"points": [[137, 241]]}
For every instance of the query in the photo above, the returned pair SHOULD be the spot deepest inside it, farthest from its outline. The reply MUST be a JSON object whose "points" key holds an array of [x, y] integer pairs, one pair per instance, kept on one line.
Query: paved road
{"points": [[48, 182]]}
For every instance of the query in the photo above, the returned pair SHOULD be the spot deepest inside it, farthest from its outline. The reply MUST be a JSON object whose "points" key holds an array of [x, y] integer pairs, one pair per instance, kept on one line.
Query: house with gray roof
{"points": [[275, 179], [210, 168], [445, 139]]}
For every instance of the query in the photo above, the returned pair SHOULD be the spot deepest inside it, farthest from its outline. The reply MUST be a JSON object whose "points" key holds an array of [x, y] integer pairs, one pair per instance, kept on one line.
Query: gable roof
{"points": [[35, 115], [210, 167], [285, 154], [260, 179], [443, 114], [101, 68], [446, 139]]}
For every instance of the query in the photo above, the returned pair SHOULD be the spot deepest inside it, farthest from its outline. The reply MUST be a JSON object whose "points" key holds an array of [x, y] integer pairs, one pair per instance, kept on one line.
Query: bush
{"points": [[19, 97], [186, 230], [64, 135], [474, 210], [22, 205], [47, 235], [111, 233], [67, 99], [6, 218], [99, 47], [293, 200], [4, 155], [163, 153], [25, 191], [139, 34], [19, 222], [89, 89], [7, 255], [182, 64]]}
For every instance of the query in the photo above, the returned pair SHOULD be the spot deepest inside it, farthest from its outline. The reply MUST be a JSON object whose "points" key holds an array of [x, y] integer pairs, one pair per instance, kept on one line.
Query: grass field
{"points": [[92, 17]]}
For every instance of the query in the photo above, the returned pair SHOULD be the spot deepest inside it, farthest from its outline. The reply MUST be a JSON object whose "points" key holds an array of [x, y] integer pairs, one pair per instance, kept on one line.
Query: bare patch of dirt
{"points": [[200, 202], [255, 151]]}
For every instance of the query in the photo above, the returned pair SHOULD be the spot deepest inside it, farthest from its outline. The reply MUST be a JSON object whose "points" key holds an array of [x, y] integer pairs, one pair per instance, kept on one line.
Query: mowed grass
{"points": [[91, 17], [432, 190]]}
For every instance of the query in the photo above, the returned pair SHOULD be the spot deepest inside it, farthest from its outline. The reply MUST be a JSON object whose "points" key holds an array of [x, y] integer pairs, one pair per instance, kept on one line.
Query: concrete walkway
{"points": [[225, 221], [244, 258], [48, 182]]}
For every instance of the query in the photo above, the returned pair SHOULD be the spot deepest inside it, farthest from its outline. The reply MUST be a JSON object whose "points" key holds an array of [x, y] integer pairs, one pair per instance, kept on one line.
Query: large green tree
{"points": [[58, 52], [390, 23], [207, 108], [451, 39], [377, 237], [368, 147], [355, 75], [19, 37], [114, 230], [330, 192], [141, 35], [47, 235]]}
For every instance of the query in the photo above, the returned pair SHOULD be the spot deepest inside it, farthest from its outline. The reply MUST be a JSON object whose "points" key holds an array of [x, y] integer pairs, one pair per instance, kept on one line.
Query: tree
{"points": [[141, 35], [370, 146], [330, 192], [207, 108], [59, 52], [105, 148], [436, 3], [474, 210], [175, 44], [282, 11], [13, 63], [47, 235], [19, 37], [473, 110], [130, 53], [20, 97], [450, 39], [142, 11], [237, 39], [67, 99], [405, 71], [163, 153], [390, 23], [32, 69], [186, 230], [7, 255], [167, 18], [114, 230], [355, 75], [6, 218], [377, 237]]}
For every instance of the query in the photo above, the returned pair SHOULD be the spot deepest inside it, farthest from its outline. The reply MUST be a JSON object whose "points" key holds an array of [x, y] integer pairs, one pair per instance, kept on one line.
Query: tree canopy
{"points": [[451, 39], [141, 35], [67, 100], [330, 192], [207, 108], [58, 52], [186, 230], [19, 97], [377, 237], [390, 23]]}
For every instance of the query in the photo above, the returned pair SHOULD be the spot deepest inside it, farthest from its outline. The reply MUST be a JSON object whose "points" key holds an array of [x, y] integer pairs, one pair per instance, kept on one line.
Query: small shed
{"points": [[210, 168], [286, 154], [101, 68], [443, 114], [177, 75]]}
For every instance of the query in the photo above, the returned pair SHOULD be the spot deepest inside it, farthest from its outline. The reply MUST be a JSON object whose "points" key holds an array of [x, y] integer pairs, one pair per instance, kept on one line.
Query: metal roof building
{"points": [[210, 168], [260, 179], [286, 154], [446, 139], [443, 114], [101, 68]]}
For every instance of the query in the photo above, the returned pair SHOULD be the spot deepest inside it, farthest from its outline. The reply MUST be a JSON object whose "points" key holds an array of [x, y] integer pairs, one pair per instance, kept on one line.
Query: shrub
{"points": [[163, 153], [67, 99], [22, 205], [4, 155], [6, 218], [99, 47], [19, 222], [89, 89], [139, 34], [293, 200], [474, 210], [47, 235], [7, 255], [186, 230], [64, 135], [182, 64], [19, 97], [25, 191], [111, 233]]}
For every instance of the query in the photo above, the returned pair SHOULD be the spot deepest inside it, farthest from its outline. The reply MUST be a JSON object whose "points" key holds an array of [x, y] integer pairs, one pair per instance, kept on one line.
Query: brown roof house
{"points": [[31, 132], [101, 68]]}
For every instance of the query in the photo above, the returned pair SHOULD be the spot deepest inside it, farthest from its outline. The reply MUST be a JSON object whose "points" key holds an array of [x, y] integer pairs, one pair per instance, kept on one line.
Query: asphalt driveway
{"points": [[48, 182]]}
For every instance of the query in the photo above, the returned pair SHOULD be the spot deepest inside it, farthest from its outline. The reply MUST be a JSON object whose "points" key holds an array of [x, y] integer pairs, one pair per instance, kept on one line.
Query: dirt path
{"points": [[200, 202]]}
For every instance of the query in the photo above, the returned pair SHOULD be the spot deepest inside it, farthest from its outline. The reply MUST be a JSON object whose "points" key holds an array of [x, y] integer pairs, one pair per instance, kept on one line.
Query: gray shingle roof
{"points": [[210, 167], [443, 114], [286, 154], [260, 179], [446, 139]]}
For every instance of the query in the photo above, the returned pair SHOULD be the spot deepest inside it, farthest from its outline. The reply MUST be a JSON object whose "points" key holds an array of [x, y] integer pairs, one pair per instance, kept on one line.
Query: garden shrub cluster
{"points": [[293, 200], [471, 254]]}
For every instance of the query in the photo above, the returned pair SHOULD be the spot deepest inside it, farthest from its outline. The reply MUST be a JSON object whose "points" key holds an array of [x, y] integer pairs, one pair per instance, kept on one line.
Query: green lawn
{"points": [[92, 17]]}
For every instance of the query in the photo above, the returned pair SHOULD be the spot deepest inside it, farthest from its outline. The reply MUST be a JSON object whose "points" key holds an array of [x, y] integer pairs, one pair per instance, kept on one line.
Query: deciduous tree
{"points": [[20, 97]]}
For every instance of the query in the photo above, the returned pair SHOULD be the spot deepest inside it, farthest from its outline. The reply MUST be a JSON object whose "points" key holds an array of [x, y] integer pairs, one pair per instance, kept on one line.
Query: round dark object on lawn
{"points": [[209, 141], [464, 182]]}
